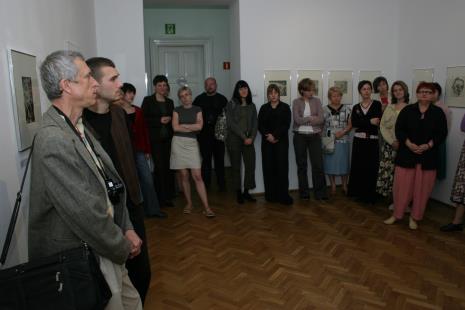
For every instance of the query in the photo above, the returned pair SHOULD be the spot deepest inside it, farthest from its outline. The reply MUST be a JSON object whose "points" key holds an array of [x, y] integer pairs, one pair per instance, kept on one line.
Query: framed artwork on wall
{"points": [[420, 75], [282, 78], [455, 95], [343, 80], [26, 98], [314, 75]]}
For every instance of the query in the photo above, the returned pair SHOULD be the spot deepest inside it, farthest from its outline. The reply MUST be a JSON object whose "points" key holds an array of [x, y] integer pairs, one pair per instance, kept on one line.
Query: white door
{"points": [[182, 65]]}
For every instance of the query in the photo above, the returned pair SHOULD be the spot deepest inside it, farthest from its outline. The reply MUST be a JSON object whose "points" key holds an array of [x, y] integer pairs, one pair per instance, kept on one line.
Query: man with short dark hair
{"points": [[108, 121], [212, 104], [76, 193]]}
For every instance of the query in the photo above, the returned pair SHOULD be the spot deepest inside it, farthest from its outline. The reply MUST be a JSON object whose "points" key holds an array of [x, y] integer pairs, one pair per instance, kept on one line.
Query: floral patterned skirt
{"points": [[458, 189], [386, 170]]}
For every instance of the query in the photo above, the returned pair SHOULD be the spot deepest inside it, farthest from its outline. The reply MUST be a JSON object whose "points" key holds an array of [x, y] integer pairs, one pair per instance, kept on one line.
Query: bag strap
{"points": [[14, 215]]}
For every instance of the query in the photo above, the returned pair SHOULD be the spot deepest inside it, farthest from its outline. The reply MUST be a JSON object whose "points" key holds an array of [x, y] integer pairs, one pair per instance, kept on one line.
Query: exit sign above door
{"points": [[170, 28]]}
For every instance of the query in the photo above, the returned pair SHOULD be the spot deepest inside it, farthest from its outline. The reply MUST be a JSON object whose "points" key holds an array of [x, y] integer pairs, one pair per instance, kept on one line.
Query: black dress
{"points": [[275, 161], [365, 153], [160, 141]]}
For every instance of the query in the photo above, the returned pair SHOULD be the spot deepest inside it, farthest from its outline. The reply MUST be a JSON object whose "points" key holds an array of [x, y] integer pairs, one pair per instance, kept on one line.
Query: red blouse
{"points": [[140, 133]]}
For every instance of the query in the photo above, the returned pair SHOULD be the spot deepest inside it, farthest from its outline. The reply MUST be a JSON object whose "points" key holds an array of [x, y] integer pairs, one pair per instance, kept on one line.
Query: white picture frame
{"points": [[344, 80], [25, 96], [455, 91], [282, 78]]}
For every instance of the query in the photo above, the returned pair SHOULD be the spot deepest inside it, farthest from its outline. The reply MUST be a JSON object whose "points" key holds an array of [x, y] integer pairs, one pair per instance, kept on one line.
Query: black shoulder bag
{"points": [[69, 280]]}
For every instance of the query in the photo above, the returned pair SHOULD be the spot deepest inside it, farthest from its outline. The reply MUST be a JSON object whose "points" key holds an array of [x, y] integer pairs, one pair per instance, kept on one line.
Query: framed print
{"points": [[420, 75], [343, 80], [455, 96], [317, 77], [25, 94], [369, 75], [282, 78]]}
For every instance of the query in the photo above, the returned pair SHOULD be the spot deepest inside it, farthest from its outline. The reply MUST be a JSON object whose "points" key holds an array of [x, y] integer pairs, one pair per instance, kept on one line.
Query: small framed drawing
{"points": [[343, 80], [455, 92], [317, 77], [25, 94], [369, 75], [282, 78], [420, 75]]}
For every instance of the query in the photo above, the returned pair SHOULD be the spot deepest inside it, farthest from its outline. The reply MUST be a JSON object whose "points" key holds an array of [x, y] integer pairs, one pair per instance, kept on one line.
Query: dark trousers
{"points": [[163, 176], [139, 267], [310, 144], [211, 148], [275, 164], [239, 152]]}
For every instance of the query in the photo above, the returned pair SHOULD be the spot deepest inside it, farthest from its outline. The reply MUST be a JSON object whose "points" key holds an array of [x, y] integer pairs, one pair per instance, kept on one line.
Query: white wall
{"points": [[120, 37], [38, 28], [431, 36], [193, 23], [314, 34], [235, 43]]}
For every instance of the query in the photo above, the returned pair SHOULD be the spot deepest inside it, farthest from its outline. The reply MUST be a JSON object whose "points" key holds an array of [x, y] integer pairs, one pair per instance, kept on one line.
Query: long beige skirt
{"points": [[185, 153]]}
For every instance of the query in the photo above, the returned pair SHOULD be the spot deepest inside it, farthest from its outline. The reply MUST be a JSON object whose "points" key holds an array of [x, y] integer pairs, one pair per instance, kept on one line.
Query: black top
{"points": [[361, 121], [130, 120], [153, 112], [275, 121], [420, 128], [101, 124], [187, 116], [211, 106]]}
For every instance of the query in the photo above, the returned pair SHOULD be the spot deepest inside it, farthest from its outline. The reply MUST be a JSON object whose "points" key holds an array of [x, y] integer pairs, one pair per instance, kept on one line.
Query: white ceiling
{"points": [[187, 3]]}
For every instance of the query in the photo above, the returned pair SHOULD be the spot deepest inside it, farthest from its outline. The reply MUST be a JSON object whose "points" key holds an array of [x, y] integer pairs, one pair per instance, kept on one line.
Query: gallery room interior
{"points": [[259, 256]]}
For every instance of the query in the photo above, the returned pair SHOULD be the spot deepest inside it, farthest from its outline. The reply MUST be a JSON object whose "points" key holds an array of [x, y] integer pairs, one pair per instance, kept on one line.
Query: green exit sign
{"points": [[170, 28]]}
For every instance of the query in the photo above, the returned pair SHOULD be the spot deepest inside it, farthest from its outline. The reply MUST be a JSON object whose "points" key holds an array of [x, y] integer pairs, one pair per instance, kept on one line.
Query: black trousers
{"points": [[238, 153], [139, 267], [310, 145], [275, 164], [163, 175], [211, 148]]}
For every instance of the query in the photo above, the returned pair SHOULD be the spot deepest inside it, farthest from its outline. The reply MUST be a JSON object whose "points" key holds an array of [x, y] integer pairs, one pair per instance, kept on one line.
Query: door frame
{"points": [[206, 43]]}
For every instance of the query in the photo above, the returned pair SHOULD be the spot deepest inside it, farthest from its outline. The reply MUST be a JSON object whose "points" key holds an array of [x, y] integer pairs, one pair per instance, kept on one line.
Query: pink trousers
{"points": [[412, 184]]}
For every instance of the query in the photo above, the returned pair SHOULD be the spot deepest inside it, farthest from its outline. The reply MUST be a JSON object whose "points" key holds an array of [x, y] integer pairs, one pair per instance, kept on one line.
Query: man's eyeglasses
{"points": [[429, 92]]}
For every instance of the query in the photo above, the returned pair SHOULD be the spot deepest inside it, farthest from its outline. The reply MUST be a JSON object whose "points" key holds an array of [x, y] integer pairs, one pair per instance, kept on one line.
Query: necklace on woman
{"points": [[366, 106]]}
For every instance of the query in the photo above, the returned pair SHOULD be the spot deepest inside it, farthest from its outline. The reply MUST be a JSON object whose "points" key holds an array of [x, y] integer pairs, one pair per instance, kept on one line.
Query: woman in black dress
{"points": [[365, 117], [158, 111], [274, 120]]}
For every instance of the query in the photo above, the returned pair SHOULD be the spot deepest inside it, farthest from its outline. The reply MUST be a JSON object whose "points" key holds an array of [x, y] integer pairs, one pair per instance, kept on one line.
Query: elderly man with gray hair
{"points": [[78, 195]]}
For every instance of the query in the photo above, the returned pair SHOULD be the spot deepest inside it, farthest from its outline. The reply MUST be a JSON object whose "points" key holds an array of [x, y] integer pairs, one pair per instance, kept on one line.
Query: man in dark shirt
{"points": [[108, 122], [212, 104]]}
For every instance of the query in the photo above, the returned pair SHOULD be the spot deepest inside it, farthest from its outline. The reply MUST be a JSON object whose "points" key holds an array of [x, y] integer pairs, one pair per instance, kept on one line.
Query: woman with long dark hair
{"points": [[241, 115]]}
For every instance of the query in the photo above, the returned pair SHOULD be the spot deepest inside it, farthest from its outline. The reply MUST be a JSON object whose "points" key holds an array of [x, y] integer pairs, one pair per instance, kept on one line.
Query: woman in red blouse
{"points": [[140, 141]]}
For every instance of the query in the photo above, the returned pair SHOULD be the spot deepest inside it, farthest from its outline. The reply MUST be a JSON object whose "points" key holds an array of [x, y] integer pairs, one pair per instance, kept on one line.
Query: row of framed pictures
{"points": [[454, 87]]}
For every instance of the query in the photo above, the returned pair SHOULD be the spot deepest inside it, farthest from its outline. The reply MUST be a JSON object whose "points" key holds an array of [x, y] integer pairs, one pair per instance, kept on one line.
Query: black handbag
{"points": [[71, 279]]}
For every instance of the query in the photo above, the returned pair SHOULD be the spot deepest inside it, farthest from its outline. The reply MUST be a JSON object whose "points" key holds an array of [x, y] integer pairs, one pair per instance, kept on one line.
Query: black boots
{"points": [[242, 197], [248, 197]]}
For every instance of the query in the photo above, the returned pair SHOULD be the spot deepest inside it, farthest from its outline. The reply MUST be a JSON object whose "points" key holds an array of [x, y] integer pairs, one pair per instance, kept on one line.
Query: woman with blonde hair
{"points": [[390, 144], [337, 125], [185, 154]]}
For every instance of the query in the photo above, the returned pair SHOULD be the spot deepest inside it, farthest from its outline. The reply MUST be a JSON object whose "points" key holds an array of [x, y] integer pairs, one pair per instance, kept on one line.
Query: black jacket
{"points": [[420, 129]]}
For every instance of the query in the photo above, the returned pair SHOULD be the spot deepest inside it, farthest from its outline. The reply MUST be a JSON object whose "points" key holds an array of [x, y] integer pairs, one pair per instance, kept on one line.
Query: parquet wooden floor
{"points": [[312, 255]]}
